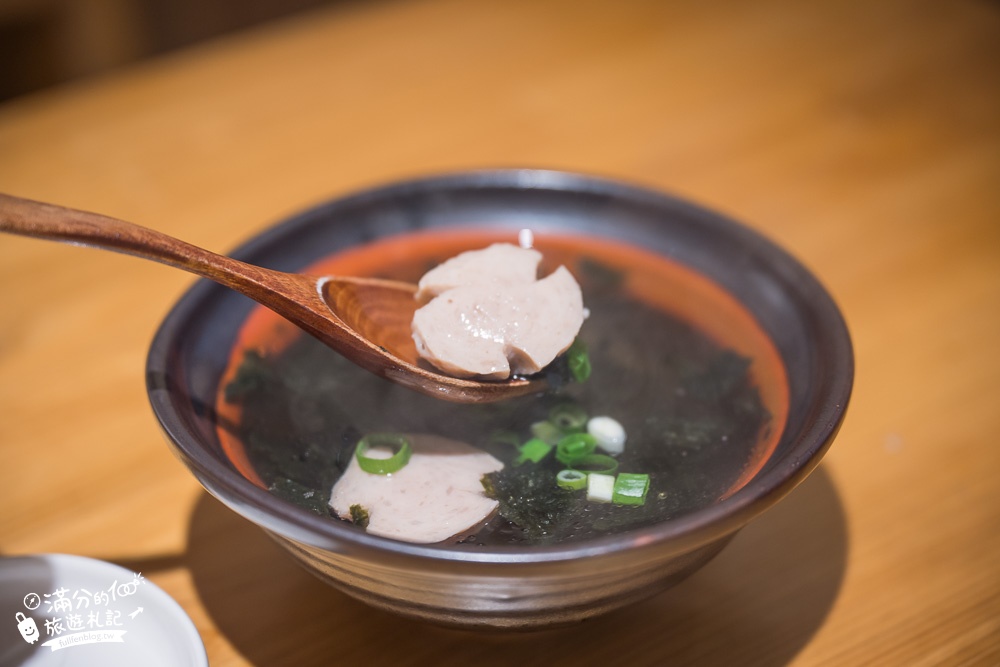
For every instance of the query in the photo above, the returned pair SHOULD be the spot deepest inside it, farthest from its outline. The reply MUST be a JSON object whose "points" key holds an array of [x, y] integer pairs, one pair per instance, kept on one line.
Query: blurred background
{"points": [[46, 42]]}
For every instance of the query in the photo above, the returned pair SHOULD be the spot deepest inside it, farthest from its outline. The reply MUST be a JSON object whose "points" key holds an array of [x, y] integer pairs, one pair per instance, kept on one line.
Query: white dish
{"points": [[69, 610]]}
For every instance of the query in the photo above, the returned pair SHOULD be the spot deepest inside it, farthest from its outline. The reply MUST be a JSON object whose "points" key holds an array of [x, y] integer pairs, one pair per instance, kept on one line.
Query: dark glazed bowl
{"points": [[538, 586]]}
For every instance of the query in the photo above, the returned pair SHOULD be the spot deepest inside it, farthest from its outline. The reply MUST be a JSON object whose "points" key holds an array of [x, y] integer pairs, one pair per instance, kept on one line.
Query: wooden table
{"points": [[864, 137]]}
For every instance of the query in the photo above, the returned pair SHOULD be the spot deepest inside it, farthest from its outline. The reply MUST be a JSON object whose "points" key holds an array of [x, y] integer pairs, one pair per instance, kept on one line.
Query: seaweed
{"points": [[295, 448], [253, 375], [690, 409], [688, 433], [359, 516], [724, 374], [539, 511], [301, 495], [529, 499]]}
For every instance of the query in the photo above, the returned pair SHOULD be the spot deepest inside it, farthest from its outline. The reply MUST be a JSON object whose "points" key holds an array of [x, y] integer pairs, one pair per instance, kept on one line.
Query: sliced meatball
{"points": [[499, 264], [494, 324], [437, 495]]}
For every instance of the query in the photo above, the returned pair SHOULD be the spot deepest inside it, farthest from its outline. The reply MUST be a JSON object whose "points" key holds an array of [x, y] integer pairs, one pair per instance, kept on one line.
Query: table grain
{"points": [[863, 137]]}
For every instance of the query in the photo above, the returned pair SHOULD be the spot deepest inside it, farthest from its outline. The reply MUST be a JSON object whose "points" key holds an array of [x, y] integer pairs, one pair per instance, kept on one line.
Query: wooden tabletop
{"points": [[863, 137]]}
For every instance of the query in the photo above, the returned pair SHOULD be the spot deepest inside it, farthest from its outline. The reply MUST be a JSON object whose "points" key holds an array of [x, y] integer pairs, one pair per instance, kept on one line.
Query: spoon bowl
{"points": [[367, 320]]}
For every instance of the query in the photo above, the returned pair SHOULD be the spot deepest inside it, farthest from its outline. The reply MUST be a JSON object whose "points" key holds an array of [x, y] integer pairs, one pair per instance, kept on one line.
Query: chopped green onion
{"points": [[610, 434], [571, 479], [534, 450], [600, 488], [568, 417], [575, 446], [630, 489], [599, 463], [578, 361], [383, 466], [547, 431]]}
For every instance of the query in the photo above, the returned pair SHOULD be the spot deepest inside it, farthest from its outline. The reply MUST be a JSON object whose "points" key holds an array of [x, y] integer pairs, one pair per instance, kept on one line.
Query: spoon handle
{"points": [[365, 319], [48, 221]]}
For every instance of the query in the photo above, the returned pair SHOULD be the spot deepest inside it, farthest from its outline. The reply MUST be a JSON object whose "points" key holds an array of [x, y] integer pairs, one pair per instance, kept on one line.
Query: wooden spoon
{"points": [[365, 319]]}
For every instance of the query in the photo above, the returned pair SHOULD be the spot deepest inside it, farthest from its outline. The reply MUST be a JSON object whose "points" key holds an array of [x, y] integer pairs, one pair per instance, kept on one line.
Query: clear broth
{"points": [[697, 385]]}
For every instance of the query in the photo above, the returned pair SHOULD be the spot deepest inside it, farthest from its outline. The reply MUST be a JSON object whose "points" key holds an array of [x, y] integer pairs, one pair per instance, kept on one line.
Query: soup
{"points": [[697, 386]]}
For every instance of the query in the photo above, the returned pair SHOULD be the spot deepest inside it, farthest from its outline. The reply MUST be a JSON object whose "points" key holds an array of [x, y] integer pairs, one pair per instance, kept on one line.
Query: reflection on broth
{"points": [[675, 360]]}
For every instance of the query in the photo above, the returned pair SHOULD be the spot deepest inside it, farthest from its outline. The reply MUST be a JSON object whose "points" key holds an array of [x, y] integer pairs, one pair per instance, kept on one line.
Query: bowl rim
{"points": [[682, 534]]}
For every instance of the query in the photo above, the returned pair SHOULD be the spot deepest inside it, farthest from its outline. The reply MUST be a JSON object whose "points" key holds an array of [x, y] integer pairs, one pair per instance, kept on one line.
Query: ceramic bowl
{"points": [[527, 587]]}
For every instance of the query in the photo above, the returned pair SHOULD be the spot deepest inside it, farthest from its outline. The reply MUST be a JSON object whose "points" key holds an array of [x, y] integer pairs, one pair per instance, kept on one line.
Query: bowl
{"points": [[722, 276]]}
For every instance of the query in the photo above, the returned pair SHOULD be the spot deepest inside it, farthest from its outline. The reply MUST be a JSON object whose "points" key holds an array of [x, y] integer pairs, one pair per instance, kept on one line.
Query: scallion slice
{"points": [[546, 431], [600, 488], [610, 434], [378, 466], [534, 450], [574, 447], [571, 479], [630, 489], [578, 361], [568, 417]]}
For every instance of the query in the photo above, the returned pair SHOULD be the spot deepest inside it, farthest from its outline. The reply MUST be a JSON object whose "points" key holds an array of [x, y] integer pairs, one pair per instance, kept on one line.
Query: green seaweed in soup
{"points": [[690, 411]]}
